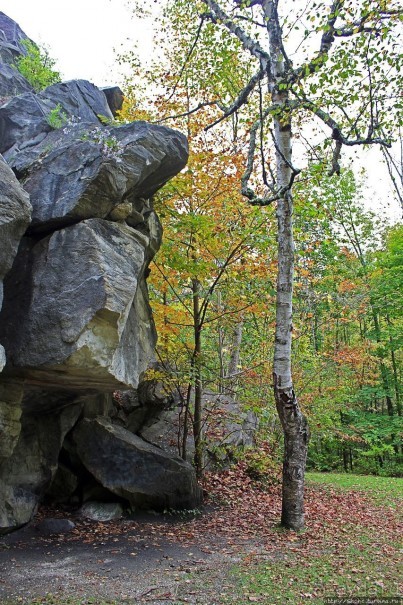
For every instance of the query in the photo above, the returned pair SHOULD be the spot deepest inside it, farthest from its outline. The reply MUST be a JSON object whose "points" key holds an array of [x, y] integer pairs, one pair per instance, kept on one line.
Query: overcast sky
{"points": [[83, 34]]}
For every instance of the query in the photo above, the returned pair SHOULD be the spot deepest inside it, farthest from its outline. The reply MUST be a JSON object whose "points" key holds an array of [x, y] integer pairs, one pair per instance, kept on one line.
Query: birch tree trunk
{"points": [[294, 423], [233, 364]]}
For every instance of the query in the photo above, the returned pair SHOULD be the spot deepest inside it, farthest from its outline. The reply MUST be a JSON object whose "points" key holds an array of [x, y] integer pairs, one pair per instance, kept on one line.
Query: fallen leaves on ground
{"points": [[240, 522], [237, 510]]}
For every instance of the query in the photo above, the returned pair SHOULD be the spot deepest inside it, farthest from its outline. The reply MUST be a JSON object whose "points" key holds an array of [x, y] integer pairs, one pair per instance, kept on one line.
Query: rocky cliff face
{"points": [[77, 233]]}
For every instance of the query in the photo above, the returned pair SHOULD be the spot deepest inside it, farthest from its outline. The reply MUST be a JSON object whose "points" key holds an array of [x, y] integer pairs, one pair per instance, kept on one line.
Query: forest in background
{"points": [[213, 282]]}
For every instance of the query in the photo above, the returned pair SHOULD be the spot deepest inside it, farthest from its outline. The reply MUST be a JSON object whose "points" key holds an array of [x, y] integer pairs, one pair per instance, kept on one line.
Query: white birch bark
{"points": [[294, 423]]}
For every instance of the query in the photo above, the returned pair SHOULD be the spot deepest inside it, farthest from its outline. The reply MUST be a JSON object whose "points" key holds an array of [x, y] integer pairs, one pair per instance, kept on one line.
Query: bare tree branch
{"points": [[202, 19], [218, 15], [188, 113], [241, 99], [337, 134], [395, 169], [335, 169], [360, 26], [325, 45]]}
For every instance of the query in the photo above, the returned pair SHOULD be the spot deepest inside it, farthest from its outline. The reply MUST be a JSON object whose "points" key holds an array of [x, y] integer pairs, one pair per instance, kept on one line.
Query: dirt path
{"points": [[148, 559], [127, 561]]}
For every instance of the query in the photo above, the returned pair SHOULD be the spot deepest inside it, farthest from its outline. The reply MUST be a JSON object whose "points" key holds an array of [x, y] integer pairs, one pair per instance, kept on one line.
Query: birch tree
{"points": [[329, 72]]}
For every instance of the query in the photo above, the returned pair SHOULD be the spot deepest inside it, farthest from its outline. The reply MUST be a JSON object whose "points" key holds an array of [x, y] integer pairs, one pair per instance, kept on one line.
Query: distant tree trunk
{"points": [[221, 384], [345, 459], [294, 423], [197, 414], [395, 168], [233, 364], [185, 429], [395, 374], [384, 371]]}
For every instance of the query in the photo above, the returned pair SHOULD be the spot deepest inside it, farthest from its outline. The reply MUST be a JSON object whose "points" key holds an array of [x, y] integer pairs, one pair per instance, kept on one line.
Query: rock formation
{"points": [[77, 233]]}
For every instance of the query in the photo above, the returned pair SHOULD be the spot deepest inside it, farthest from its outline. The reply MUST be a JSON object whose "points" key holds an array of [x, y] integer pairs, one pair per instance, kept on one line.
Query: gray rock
{"points": [[54, 526], [63, 485], [233, 429], [11, 83], [74, 179], [102, 511], [114, 96], [26, 119], [10, 414], [76, 322], [11, 35], [229, 428], [162, 430], [15, 215], [85, 322], [134, 470], [79, 99], [2, 357], [27, 473], [23, 123]]}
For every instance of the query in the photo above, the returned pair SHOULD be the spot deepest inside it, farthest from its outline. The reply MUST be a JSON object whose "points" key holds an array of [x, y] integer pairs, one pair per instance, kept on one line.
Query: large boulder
{"points": [[15, 216], [11, 395], [75, 323], [115, 98], [26, 474], [85, 322], [142, 474], [26, 119], [11, 82], [11, 46], [100, 173], [11, 36], [229, 428]]}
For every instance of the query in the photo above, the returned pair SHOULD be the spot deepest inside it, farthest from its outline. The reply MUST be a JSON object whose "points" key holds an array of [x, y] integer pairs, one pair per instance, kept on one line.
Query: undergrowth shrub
{"points": [[262, 464]]}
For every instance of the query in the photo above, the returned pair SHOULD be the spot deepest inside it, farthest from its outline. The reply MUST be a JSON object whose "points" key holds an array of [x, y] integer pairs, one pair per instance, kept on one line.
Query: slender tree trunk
{"points": [[395, 374], [197, 416], [233, 364], [221, 386], [345, 459], [294, 423], [383, 368], [185, 430]]}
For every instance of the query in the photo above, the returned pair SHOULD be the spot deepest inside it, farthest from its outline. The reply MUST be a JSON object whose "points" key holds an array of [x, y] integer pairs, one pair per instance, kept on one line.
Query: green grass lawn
{"points": [[379, 489]]}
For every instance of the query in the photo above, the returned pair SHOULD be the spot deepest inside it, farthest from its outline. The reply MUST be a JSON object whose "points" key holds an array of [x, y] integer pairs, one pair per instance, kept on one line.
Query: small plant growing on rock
{"points": [[71, 123], [57, 118], [37, 66], [109, 145]]}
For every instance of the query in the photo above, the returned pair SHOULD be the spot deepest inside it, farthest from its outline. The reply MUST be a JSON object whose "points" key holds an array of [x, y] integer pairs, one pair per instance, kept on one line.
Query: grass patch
{"points": [[360, 571], [382, 490]]}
